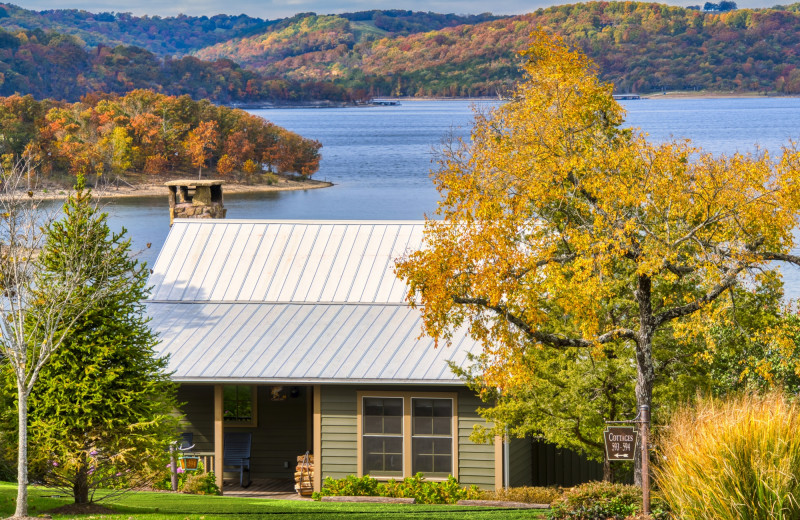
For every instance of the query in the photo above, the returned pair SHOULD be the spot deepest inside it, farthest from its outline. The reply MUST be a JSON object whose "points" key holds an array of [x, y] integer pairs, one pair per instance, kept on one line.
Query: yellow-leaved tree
{"points": [[560, 231]]}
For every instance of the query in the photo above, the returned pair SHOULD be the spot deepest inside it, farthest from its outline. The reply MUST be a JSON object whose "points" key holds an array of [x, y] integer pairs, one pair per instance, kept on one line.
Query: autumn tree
{"points": [[200, 144], [562, 231]]}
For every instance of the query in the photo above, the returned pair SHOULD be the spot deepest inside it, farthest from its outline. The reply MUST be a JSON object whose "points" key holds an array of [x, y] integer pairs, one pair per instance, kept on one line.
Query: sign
{"points": [[621, 442]]}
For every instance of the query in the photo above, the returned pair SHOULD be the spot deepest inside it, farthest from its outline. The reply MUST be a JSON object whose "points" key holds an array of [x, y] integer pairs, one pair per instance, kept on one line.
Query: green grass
{"points": [[167, 506]]}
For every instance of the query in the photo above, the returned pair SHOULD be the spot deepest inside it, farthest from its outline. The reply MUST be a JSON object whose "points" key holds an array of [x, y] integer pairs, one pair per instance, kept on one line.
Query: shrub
{"points": [[598, 501], [350, 486], [201, 484], [733, 458], [424, 491], [529, 495]]}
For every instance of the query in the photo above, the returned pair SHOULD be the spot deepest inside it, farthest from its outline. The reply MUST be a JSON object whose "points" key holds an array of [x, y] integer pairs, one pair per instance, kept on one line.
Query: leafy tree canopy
{"points": [[566, 239]]}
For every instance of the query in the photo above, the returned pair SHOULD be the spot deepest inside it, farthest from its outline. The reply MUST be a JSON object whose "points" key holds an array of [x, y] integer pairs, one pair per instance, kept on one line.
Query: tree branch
{"points": [[710, 296], [553, 340]]}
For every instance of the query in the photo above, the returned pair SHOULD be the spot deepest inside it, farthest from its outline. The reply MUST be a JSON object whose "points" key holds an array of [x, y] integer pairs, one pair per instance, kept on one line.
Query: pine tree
{"points": [[101, 413]]}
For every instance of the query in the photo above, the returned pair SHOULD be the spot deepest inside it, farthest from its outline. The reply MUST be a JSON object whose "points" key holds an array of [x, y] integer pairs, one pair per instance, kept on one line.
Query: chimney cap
{"points": [[195, 182]]}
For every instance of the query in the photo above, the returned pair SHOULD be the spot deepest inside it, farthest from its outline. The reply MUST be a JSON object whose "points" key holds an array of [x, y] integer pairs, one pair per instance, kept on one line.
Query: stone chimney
{"points": [[195, 199]]}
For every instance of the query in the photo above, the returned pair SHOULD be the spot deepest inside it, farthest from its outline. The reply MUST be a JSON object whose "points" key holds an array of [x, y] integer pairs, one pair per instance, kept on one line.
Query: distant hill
{"points": [[640, 47], [183, 34], [170, 35], [61, 67]]}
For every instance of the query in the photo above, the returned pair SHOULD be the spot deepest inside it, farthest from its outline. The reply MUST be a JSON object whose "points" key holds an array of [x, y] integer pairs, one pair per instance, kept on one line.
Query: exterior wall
{"points": [[475, 461], [554, 466], [339, 432], [198, 409], [519, 458], [279, 436]]}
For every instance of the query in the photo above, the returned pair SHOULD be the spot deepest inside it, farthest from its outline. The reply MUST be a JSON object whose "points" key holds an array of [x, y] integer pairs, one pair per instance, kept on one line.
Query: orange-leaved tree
{"points": [[561, 231], [200, 144]]}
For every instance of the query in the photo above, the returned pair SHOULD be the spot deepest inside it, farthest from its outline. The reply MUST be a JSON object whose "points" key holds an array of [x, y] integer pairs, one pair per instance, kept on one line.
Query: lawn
{"points": [[167, 506]]}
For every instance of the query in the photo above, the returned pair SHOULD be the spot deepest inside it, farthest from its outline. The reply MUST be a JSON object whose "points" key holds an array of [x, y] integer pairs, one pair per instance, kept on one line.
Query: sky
{"points": [[271, 9]]}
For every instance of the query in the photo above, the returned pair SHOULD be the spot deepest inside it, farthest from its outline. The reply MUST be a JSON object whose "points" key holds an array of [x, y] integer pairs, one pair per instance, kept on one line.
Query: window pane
{"points": [[432, 456], [442, 408], [373, 424], [441, 425], [393, 425], [383, 416], [237, 403], [423, 407], [423, 425], [373, 406], [383, 456]]}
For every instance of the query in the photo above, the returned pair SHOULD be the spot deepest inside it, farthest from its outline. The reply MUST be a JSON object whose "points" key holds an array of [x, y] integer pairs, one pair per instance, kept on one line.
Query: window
{"points": [[432, 438], [239, 405], [383, 436], [404, 434]]}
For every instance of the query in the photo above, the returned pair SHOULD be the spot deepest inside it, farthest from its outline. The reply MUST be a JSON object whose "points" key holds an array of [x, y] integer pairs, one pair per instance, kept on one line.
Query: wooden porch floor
{"points": [[277, 489]]}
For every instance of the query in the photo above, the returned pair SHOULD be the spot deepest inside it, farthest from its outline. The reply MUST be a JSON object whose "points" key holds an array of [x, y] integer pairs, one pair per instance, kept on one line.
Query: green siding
{"points": [[338, 432], [198, 410], [521, 467], [475, 461], [339, 443]]}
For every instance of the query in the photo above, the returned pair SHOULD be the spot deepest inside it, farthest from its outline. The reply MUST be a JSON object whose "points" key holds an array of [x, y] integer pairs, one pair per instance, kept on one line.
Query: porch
{"points": [[279, 420]]}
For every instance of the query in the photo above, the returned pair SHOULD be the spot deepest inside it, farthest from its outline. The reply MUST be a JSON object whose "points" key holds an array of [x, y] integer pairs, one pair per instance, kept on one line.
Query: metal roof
{"points": [[293, 302], [283, 261], [302, 343]]}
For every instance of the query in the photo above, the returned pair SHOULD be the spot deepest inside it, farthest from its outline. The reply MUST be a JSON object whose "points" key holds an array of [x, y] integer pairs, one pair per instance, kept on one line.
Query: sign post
{"points": [[621, 443], [644, 423]]}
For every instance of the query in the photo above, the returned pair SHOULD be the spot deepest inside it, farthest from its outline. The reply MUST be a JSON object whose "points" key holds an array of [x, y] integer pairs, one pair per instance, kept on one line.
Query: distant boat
{"points": [[385, 103], [625, 97]]}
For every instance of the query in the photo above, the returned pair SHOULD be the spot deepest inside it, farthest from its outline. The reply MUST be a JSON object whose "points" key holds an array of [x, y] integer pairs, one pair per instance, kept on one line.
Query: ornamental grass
{"points": [[732, 458]]}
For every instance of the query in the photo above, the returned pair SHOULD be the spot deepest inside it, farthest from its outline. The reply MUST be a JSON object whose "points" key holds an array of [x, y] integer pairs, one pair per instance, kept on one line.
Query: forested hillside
{"points": [[640, 47], [51, 65], [182, 34]]}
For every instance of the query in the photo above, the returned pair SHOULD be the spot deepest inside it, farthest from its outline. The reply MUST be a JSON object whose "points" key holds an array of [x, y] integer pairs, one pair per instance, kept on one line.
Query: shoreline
{"points": [[158, 189]]}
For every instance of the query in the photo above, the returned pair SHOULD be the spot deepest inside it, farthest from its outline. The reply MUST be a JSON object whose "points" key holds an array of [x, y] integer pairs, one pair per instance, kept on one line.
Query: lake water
{"points": [[380, 157]]}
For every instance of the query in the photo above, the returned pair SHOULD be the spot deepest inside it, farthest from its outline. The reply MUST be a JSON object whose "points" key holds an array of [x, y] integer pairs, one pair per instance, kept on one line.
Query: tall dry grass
{"points": [[737, 458]]}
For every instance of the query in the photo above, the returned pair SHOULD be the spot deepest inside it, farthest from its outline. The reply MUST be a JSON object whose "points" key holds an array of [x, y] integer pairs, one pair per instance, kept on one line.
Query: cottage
{"points": [[299, 332]]}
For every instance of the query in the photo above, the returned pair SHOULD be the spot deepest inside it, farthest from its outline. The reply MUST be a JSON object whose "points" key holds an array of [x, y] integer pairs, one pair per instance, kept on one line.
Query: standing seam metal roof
{"points": [[293, 301]]}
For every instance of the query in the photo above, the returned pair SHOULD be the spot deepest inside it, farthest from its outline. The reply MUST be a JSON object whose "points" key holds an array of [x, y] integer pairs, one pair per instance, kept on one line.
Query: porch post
{"points": [[498, 462], [218, 435], [317, 438]]}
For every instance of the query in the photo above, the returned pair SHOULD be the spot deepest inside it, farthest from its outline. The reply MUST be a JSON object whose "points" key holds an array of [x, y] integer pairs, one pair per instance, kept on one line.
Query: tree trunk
{"points": [[80, 488], [608, 474], [645, 371], [22, 452]]}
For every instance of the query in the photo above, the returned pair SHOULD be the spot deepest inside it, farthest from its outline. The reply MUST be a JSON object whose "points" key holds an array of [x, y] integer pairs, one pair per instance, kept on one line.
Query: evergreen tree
{"points": [[101, 414]]}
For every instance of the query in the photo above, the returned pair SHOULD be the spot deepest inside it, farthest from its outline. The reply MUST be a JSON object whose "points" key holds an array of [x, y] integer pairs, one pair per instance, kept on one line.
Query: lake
{"points": [[380, 157]]}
